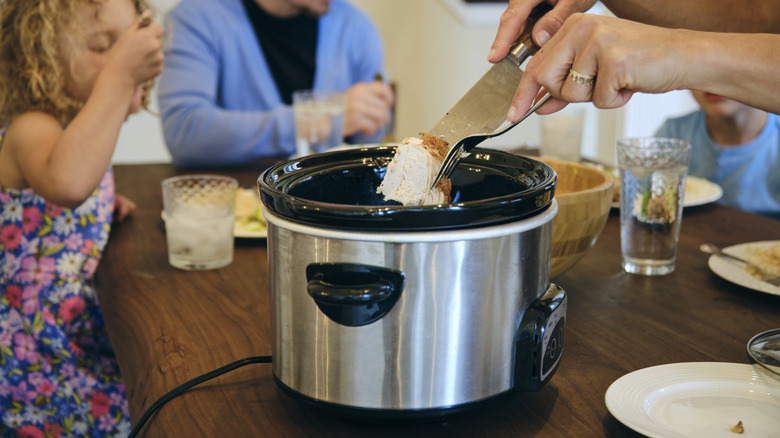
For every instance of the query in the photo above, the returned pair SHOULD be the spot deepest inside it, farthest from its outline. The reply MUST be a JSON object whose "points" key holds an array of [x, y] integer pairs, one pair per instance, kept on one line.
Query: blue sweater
{"points": [[218, 99], [749, 174]]}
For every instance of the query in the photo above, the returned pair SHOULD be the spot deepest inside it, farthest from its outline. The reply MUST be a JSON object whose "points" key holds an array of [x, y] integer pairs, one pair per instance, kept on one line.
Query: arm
{"points": [[713, 15], [65, 165], [629, 57], [208, 63]]}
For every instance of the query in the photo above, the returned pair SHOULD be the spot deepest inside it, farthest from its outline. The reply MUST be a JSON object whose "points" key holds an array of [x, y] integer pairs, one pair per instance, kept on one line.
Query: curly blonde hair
{"points": [[35, 75]]}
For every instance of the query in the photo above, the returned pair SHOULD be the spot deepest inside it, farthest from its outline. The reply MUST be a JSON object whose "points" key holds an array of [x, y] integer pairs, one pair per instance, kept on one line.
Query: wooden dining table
{"points": [[169, 326]]}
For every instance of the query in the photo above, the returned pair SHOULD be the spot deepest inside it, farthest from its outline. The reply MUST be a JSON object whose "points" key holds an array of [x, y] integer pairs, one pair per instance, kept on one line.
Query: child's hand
{"points": [[137, 54], [123, 206]]}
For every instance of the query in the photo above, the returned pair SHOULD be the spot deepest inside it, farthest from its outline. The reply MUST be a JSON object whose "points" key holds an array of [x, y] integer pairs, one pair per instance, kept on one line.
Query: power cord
{"points": [[175, 392]]}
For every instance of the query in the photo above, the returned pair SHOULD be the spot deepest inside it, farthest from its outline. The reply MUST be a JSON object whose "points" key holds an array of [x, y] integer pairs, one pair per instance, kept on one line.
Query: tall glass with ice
{"points": [[319, 120], [199, 212], [652, 185]]}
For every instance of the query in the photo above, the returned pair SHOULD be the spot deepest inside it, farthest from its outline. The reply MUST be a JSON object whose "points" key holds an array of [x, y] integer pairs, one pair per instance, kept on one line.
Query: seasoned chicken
{"points": [[412, 170]]}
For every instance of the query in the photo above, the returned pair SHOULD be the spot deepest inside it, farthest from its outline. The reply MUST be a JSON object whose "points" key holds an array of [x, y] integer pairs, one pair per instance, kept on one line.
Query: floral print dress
{"points": [[58, 376]]}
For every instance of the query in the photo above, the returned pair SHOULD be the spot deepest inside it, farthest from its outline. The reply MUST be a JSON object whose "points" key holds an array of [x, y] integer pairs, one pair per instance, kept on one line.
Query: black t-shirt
{"points": [[290, 46]]}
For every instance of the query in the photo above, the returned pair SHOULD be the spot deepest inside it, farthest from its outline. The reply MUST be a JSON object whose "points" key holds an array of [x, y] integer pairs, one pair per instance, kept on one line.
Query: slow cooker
{"points": [[384, 311]]}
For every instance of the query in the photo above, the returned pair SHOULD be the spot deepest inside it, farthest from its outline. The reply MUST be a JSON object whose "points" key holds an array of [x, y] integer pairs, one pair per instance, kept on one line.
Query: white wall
{"points": [[435, 50]]}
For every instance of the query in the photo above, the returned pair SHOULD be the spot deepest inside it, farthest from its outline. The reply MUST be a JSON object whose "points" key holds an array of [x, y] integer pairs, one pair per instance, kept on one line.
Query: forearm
{"points": [[629, 57], [218, 107], [710, 15], [83, 151], [742, 67], [204, 135]]}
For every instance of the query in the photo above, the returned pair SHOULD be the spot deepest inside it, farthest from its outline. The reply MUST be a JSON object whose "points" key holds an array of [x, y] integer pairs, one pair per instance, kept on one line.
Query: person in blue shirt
{"points": [[735, 146], [231, 67]]}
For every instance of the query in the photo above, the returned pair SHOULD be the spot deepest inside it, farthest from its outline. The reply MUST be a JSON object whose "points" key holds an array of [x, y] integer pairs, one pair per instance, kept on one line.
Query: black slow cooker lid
{"points": [[338, 190]]}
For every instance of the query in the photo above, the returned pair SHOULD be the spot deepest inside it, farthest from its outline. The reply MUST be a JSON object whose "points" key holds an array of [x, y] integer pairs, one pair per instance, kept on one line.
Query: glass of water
{"points": [[652, 186], [199, 212], [319, 120]]}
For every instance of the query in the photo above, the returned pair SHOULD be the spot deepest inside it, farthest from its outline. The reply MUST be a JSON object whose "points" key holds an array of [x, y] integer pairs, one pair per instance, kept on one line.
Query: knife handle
{"points": [[524, 46]]}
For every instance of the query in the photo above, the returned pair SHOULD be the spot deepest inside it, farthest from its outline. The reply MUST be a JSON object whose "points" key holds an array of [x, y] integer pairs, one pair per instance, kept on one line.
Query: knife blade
{"points": [[483, 108]]}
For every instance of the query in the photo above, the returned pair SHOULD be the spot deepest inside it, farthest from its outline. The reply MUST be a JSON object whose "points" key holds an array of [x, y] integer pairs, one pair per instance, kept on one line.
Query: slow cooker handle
{"points": [[348, 294], [353, 294]]}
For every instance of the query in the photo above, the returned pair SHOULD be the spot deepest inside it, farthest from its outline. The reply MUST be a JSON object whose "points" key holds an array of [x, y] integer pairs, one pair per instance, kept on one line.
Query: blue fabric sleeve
{"points": [[198, 128]]}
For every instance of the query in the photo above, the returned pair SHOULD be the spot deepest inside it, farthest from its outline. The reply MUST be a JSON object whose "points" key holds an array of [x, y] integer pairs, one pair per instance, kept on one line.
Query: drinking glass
{"points": [[561, 133], [319, 120], [199, 212], [652, 185]]}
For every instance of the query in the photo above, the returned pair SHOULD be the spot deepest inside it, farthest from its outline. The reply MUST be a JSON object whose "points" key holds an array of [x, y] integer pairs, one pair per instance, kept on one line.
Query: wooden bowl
{"points": [[584, 196]]}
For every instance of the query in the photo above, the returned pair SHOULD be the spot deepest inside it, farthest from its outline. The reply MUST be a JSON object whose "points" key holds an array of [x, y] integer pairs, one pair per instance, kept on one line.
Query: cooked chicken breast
{"points": [[412, 170]]}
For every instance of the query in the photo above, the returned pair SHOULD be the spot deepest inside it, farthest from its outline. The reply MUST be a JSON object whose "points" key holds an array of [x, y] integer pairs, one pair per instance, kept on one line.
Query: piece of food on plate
{"points": [[695, 187], [738, 428], [249, 211], [411, 172], [767, 257]]}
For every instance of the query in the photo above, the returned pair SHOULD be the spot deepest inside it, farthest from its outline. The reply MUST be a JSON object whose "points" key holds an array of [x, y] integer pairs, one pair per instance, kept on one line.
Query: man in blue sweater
{"points": [[231, 67]]}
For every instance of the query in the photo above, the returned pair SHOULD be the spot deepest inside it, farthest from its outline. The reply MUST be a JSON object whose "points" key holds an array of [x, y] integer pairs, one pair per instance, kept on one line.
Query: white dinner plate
{"points": [[697, 399], [698, 191], [760, 253]]}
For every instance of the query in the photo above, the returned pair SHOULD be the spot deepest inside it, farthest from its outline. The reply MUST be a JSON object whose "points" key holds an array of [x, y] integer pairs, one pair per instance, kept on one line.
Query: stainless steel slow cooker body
{"points": [[410, 323]]}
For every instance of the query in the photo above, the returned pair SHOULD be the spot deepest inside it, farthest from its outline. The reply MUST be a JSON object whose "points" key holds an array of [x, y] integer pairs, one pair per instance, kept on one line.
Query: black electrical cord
{"points": [[175, 392]]}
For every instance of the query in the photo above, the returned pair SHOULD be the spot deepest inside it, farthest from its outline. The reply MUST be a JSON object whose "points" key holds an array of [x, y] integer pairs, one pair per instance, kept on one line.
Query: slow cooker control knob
{"points": [[539, 340]]}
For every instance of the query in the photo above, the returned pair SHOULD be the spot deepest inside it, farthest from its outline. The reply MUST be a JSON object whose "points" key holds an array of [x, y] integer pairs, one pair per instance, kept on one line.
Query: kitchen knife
{"points": [[483, 108]]}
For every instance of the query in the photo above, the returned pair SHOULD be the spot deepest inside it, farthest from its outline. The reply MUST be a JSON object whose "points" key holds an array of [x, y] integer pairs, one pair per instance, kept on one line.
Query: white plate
{"points": [[697, 399], [698, 191], [736, 272]]}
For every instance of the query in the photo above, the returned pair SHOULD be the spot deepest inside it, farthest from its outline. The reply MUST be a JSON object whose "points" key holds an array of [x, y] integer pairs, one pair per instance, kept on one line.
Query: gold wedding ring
{"points": [[581, 79]]}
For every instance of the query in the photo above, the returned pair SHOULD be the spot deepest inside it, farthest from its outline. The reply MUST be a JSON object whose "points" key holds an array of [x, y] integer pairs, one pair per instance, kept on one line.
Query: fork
{"points": [[466, 144], [709, 248]]}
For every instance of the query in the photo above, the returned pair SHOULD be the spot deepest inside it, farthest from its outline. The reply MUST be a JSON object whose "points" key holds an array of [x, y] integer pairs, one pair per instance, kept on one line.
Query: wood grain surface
{"points": [[169, 326]]}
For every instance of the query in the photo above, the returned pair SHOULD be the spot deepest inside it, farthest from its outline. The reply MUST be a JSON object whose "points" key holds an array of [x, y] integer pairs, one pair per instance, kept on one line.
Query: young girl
{"points": [[72, 72]]}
